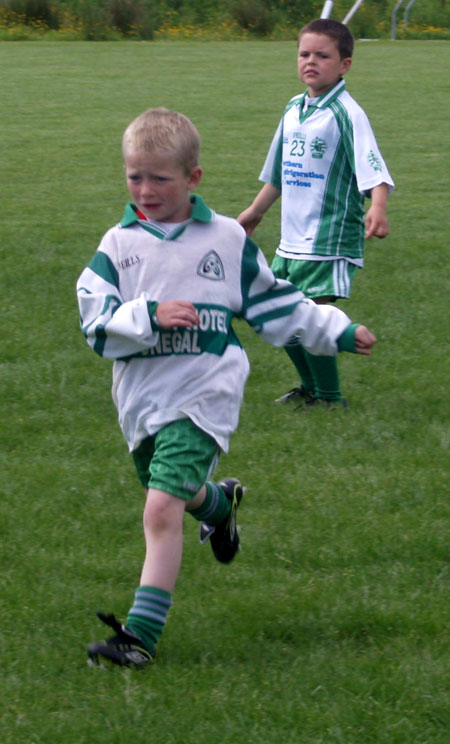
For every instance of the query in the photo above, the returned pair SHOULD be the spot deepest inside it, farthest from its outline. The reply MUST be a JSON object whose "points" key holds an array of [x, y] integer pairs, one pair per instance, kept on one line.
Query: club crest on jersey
{"points": [[374, 161], [211, 267], [318, 147]]}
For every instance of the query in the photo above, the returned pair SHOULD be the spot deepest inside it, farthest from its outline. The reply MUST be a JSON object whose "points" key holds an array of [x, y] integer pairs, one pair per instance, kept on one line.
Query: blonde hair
{"points": [[162, 130]]}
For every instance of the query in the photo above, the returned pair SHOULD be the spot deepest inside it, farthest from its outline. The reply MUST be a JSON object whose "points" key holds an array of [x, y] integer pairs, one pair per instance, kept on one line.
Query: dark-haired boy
{"points": [[323, 160]]}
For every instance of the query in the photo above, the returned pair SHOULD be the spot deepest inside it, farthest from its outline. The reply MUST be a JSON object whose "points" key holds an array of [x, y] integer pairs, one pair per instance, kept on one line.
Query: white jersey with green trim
{"points": [[160, 376], [325, 159]]}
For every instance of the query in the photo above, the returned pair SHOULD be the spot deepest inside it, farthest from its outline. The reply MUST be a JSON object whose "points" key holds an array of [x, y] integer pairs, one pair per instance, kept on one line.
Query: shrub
{"points": [[254, 16], [133, 18], [94, 19], [33, 10], [147, 19]]}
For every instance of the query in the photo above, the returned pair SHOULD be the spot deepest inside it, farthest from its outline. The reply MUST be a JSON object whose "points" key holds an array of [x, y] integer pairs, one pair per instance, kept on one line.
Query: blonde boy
{"points": [[159, 298]]}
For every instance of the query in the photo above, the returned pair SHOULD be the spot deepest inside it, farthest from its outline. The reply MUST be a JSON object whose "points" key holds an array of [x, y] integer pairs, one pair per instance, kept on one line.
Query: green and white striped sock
{"points": [[147, 617], [215, 508]]}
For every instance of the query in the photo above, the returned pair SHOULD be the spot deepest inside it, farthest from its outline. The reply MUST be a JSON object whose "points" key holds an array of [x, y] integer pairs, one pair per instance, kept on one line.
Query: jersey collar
{"points": [[326, 99], [200, 213]]}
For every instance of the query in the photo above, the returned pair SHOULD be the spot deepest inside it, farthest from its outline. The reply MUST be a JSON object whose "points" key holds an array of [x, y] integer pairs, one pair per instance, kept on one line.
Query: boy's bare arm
{"points": [[376, 220], [252, 216], [175, 313]]}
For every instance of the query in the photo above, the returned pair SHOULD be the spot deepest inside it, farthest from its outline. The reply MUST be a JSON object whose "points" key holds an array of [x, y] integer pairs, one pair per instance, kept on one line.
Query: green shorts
{"points": [[178, 459], [317, 278]]}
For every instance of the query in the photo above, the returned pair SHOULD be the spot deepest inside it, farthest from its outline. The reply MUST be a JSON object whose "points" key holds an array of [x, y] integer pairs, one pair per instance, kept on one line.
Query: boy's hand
{"points": [[376, 223], [376, 220], [364, 340], [249, 220], [252, 216], [174, 313]]}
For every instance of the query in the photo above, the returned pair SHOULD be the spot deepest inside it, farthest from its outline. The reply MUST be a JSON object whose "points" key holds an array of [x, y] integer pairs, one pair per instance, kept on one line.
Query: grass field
{"points": [[332, 625]]}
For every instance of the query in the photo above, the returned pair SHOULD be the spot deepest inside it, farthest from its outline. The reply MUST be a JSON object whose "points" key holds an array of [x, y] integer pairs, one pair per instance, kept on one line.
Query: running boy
{"points": [[158, 298], [323, 160]]}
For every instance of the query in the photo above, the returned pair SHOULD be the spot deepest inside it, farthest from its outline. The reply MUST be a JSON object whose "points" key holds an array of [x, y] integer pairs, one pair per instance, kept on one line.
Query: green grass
{"points": [[331, 627]]}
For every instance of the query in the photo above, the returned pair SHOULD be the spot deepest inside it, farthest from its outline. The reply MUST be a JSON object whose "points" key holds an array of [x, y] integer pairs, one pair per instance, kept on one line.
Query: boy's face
{"points": [[158, 186], [319, 63]]}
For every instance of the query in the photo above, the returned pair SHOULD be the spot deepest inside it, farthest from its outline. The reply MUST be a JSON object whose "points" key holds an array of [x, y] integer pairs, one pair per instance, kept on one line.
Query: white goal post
{"points": [[328, 7], [405, 16]]}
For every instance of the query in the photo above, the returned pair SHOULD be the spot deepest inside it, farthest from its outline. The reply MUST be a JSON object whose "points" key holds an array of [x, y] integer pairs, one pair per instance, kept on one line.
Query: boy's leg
{"points": [[300, 360], [326, 377], [325, 369], [217, 515], [283, 268], [134, 644], [336, 279], [182, 459], [318, 373], [171, 464], [163, 530], [214, 508]]}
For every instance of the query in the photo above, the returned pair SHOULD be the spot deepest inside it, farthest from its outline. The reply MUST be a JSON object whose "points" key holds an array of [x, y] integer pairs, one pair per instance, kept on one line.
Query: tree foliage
{"points": [[142, 18]]}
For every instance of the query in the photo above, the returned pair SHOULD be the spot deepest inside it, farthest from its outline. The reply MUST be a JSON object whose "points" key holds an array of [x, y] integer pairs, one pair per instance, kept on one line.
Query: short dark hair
{"points": [[334, 30]]}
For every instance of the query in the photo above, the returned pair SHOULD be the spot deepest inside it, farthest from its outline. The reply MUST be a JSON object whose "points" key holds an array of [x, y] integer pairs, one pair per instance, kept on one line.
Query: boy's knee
{"points": [[162, 511]]}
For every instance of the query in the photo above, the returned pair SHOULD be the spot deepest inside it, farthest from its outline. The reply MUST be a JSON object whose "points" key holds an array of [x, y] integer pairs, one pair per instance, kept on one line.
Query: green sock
{"points": [[326, 377], [147, 616], [300, 359], [215, 508]]}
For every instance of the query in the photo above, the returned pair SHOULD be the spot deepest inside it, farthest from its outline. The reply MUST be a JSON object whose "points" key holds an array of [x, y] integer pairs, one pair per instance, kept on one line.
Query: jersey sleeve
{"points": [[363, 152], [271, 172], [277, 311], [113, 328]]}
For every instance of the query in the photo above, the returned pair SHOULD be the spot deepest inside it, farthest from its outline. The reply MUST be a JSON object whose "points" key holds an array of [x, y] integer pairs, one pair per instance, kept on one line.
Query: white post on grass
{"points": [[406, 14], [352, 11], [394, 19], [327, 8]]}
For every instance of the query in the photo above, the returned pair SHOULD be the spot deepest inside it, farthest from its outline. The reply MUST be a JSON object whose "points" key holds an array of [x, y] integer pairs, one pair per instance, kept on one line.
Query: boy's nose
{"points": [[147, 188]]}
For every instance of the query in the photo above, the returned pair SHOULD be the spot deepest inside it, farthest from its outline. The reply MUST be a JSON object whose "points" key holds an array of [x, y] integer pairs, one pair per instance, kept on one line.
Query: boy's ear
{"points": [[195, 177], [346, 63]]}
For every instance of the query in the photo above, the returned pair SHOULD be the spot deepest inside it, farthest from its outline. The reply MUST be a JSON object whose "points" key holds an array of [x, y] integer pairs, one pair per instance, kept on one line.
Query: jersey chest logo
{"points": [[318, 147], [211, 267]]}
